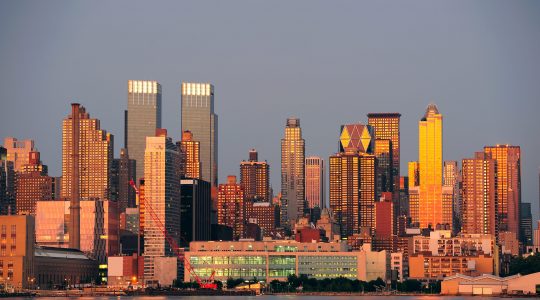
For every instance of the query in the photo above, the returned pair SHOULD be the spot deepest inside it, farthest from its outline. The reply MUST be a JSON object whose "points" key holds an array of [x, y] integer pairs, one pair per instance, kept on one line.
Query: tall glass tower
{"points": [[142, 118], [292, 173], [198, 117]]}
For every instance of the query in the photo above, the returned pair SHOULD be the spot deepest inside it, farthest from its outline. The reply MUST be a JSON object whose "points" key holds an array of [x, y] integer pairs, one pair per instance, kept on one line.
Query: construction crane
{"points": [[203, 284]]}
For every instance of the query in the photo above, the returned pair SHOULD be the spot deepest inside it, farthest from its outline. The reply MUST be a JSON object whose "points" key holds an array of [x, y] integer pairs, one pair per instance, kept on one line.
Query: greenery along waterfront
{"points": [[341, 284]]}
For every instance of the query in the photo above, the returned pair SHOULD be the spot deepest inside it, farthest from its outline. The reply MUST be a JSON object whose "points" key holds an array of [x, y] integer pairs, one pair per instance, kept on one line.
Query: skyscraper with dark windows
{"points": [[143, 117], [199, 118], [292, 173]]}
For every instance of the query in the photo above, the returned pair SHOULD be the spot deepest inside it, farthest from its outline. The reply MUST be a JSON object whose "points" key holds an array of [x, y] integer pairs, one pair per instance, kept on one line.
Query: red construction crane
{"points": [[203, 284]]}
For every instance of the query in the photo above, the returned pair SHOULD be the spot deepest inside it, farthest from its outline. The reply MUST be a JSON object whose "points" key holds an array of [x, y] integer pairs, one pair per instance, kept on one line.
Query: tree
{"points": [[232, 283], [524, 266]]}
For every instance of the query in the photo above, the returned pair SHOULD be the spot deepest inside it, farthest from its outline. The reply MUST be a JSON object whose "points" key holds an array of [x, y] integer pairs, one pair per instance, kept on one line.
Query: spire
{"points": [[431, 110]]}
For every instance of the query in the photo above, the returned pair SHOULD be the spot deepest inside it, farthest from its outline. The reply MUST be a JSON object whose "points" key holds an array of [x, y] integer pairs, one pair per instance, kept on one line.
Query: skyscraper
{"points": [[231, 209], [190, 158], [87, 154], [195, 208], [162, 198], [198, 117], [430, 144], [18, 151], [479, 195], [255, 178], [7, 187], [123, 172], [143, 117], [315, 184], [508, 176], [385, 178], [293, 151], [352, 180], [452, 179]]}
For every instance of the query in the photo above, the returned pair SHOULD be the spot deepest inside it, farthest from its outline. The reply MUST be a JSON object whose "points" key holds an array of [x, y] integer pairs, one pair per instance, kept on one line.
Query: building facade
{"points": [[231, 208], [162, 199], [190, 157], [452, 179], [352, 180], [195, 210], [315, 182], [32, 185], [508, 178], [198, 117], [143, 117], [255, 178], [16, 251], [18, 151], [479, 195], [292, 173]]}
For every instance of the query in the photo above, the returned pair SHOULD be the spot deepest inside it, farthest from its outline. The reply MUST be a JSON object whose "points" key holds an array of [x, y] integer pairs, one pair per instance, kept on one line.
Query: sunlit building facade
{"points": [[95, 156], [231, 209], [18, 151], [293, 151], [352, 180], [315, 182], [452, 179], [508, 178], [430, 144], [32, 185], [162, 199], [190, 159], [479, 195], [143, 117], [255, 178], [198, 117], [16, 251]]}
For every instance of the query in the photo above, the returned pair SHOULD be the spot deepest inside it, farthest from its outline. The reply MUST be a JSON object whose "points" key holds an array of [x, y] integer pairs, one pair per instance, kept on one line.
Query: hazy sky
{"points": [[327, 63]]}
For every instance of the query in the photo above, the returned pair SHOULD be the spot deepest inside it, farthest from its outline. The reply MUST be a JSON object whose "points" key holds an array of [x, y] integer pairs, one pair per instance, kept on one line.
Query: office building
{"points": [[293, 151], [7, 187], [190, 157], [264, 214], [403, 196], [162, 199], [198, 117], [18, 151], [385, 237], [275, 260], [430, 196], [352, 180], [255, 178], [315, 182], [143, 117], [231, 208], [32, 185], [383, 153], [126, 173], [479, 195], [508, 178], [195, 210]]}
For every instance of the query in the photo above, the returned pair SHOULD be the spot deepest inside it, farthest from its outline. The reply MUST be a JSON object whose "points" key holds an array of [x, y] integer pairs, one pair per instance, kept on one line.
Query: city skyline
{"points": [[488, 99]]}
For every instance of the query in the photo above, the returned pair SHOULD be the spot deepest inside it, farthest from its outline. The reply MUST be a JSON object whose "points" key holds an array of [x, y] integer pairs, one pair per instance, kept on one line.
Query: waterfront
{"points": [[291, 297]]}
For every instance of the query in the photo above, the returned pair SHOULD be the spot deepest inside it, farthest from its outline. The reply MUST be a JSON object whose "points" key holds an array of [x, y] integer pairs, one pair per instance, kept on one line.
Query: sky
{"points": [[325, 62]]}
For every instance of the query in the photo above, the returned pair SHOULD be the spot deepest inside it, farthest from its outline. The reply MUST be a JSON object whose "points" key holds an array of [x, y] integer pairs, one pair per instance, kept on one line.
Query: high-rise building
{"points": [[231, 209], [293, 151], [162, 198], [32, 185], [414, 174], [195, 210], [479, 195], [430, 198], [143, 117], [352, 180], [508, 177], [18, 152], [386, 127], [315, 183], [403, 196], [452, 179], [122, 172], [525, 225], [190, 158], [198, 117], [385, 178], [255, 178], [87, 154], [264, 214]]}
